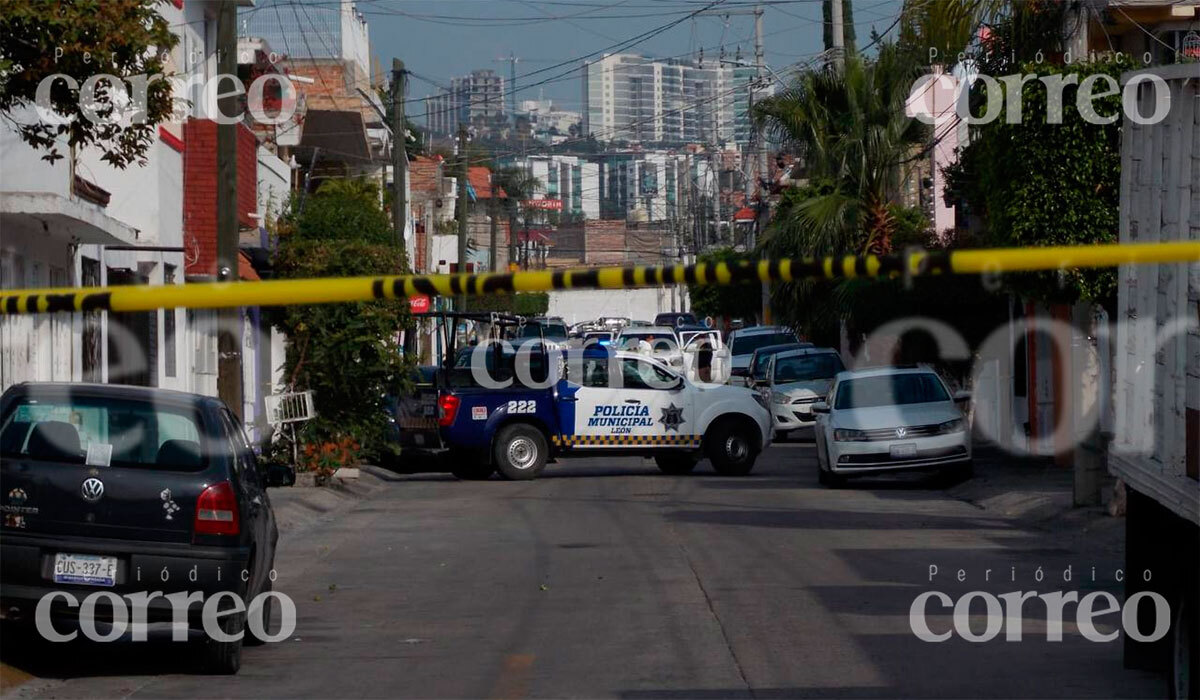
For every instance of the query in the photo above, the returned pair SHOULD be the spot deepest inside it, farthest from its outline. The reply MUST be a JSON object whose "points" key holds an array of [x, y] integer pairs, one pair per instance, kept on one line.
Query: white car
{"points": [[795, 380], [658, 342], [889, 419], [744, 341]]}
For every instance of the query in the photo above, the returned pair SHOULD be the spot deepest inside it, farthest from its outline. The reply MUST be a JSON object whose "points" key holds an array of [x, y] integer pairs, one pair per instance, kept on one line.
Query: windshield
{"points": [[806, 368], [659, 342], [551, 331], [104, 432], [890, 390], [746, 344]]}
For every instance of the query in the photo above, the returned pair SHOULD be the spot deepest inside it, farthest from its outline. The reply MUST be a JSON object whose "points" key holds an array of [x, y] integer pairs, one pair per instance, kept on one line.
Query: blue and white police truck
{"points": [[525, 412]]}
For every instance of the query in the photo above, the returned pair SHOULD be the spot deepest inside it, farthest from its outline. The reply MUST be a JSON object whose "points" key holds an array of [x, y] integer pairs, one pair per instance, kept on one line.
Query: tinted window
{"points": [[805, 368], [746, 344], [643, 375], [890, 390], [104, 432], [551, 331]]}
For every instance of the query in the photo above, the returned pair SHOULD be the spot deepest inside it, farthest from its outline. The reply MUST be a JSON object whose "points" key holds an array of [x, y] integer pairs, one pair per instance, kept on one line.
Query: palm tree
{"points": [[849, 127], [518, 185]]}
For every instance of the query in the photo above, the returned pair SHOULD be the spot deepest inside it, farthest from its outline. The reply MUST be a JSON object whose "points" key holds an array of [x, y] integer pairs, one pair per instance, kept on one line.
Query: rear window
{"points": [[746, 344], [104, 432]]}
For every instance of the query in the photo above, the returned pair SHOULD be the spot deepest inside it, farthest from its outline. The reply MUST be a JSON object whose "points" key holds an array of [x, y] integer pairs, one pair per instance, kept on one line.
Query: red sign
{"points": [[418, 304], [553, 204]]}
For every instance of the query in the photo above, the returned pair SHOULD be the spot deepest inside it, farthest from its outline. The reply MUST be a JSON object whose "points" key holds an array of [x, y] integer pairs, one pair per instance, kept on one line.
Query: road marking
{"points": [[514, 677]]}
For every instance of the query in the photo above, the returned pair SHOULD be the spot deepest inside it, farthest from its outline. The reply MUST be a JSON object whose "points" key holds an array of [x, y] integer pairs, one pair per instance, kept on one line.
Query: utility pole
{"points": [[760, 155], [462, 208], [399, 155], [229, 326], [839, 32], [494, 215]]}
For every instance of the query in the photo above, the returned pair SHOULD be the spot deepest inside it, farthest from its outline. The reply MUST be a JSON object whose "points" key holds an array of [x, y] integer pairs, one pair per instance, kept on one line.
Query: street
{"points": [[607, 578]]}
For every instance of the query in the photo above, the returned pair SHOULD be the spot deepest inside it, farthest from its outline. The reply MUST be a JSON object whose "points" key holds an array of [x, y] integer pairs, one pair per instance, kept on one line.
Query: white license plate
{"points": [[904, 450], [87, 569]]}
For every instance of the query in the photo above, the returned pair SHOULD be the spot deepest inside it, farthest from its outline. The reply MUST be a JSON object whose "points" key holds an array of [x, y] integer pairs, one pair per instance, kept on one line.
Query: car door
{"points": [[627, 402], [257, 518]]}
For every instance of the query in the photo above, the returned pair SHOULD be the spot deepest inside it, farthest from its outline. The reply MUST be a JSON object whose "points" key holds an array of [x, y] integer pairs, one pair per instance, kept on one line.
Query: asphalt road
{"points": [[606, 578]]}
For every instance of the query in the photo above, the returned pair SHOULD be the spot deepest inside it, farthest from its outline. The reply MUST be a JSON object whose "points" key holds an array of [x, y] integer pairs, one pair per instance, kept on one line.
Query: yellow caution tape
{"points": [[213, 295]]}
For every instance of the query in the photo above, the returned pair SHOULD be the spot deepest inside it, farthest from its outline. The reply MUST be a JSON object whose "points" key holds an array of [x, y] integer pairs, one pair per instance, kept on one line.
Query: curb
{"points": [[300, 507]]}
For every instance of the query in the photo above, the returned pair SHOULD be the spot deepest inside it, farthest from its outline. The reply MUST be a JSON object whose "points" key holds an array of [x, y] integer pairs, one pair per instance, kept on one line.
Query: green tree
{"points": [[849, 127], [518, 185], [81, 39], [733, 301], [1040, 183], [347, 354]]}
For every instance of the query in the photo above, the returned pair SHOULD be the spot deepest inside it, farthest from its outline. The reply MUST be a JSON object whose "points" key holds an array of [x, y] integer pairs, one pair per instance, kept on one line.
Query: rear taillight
{"points": [[447, 409], [217, 511]]}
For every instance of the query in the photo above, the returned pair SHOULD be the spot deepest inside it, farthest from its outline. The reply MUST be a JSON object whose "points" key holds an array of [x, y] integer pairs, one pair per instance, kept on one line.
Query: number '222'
{"points": [[528, 406]]}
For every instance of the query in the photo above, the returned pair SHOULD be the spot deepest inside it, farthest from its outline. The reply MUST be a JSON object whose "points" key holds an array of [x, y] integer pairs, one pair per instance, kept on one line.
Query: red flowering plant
{"points": [[326, 457]]}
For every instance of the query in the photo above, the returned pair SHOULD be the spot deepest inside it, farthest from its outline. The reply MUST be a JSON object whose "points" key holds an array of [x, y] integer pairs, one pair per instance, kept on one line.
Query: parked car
{"points": [[596, 337], [658, 342], [744, 341], [794, 380], [760, 361], [889, 419], [131, 489]]}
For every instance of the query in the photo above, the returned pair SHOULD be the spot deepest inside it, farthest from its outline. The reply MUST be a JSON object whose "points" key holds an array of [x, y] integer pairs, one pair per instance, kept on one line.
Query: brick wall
{"points": [[604, 242], [200, 191]]}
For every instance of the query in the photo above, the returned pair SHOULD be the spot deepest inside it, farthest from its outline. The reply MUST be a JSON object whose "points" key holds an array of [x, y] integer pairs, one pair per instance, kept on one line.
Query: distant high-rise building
{"points": [[627, 97], [476, 99]]}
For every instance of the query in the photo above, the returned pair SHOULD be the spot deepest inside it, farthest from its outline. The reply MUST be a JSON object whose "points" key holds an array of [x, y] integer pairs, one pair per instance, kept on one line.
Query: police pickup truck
{"points": [[602, 402]]}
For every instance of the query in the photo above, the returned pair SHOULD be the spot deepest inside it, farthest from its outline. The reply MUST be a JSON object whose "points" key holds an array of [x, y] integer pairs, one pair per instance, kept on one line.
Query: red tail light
{"points": [[447, 409], [217, 511]]}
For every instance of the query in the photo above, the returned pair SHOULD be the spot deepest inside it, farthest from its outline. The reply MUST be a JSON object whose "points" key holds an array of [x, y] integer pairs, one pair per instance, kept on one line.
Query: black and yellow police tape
{"points": [[212, 295]]}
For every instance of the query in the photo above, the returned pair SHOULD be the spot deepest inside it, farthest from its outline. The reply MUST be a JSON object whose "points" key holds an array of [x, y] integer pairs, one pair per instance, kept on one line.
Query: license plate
{"points": [[87, 569], [904, 450]]}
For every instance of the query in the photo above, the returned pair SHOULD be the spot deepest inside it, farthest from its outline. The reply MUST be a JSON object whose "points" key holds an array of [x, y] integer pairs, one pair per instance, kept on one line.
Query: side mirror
{"points": [[280, 475], [820, 407], [962, 396]]}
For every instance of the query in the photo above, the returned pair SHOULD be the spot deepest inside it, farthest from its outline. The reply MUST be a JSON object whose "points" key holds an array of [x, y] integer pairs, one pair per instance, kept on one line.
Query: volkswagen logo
{"points": [[901, 432], [92, 490]]}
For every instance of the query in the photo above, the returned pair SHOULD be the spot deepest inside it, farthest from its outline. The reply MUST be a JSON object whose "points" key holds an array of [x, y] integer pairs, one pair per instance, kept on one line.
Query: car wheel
{"points": [[676, 462], [520, 452], [731, 448], [471, 467], [268, 612], [225, 658], [825, 476]]}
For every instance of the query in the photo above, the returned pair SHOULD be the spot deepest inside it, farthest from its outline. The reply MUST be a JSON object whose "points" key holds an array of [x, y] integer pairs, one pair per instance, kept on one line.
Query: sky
{"points": [[441, 39]]}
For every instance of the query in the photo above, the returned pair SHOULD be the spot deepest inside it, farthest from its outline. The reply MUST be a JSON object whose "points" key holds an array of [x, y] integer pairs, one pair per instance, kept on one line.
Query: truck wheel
{"points": [[731, 448], [472, 468], [676, 462], [520, 452]]}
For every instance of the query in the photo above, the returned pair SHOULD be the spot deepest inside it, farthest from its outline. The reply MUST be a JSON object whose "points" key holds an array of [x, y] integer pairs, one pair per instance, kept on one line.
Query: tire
{"points": [[268, 613], [520, 452], [225, 658], [731, 448], [1183, 680], [826, 477], [676, 462], [467, 469]]}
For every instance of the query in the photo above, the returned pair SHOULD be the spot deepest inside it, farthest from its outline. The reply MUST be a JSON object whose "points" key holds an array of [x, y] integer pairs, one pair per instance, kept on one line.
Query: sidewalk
{"points": [[300, 507], [1030, 489]]}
